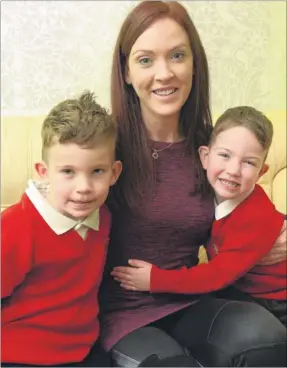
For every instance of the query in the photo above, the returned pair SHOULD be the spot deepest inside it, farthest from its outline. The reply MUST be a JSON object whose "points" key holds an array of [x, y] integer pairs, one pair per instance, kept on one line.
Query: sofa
{"points": [[21, 147]]}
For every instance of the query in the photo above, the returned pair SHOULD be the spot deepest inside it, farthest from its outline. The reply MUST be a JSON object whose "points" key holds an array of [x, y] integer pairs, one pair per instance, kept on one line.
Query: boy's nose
{"points": [[233, 168], [83, 185]]}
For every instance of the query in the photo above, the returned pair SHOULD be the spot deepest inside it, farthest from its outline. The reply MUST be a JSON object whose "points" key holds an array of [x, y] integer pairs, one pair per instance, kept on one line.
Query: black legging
{"points": [[219, 332]]}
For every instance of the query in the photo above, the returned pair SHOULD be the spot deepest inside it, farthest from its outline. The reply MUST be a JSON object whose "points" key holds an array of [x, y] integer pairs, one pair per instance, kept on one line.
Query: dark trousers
{"points": [[277, 307], [221, 333], [97, 357]]}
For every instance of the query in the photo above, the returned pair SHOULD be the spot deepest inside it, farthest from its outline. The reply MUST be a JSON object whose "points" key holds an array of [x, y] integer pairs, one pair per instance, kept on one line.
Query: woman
{"points": [[162, 210]]}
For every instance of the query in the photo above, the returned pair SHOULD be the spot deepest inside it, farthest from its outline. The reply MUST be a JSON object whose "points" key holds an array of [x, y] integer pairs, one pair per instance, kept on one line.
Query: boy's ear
{"points": [[117, 169], [264, 170], [41, 169], [203, 152]]}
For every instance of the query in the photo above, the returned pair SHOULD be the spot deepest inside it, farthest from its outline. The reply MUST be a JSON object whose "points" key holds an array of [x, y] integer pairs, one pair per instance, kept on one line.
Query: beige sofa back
{"points": [[21, 147]]}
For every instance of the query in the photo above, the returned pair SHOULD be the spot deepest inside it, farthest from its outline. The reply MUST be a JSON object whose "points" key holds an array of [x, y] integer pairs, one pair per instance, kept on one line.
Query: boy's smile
{"points": [[79, 177], [233, 163]]}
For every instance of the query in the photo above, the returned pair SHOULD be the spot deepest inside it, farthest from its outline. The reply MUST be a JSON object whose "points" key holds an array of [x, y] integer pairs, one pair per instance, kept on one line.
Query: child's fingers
{"points": [[122, 269], [127, 286], [121, 276]]}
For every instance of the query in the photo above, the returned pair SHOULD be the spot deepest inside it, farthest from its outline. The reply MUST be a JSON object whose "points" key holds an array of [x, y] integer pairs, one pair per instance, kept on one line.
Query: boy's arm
{"points": [[16, 249], [241, 250]]}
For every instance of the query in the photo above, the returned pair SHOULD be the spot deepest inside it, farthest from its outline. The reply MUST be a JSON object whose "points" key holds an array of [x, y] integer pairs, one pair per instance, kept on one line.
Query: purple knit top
{"points": [[168, 234]]}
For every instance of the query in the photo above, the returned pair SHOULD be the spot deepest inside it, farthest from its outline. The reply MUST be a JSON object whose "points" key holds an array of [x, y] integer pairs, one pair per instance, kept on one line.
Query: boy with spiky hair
{"points": [[54, 242]]}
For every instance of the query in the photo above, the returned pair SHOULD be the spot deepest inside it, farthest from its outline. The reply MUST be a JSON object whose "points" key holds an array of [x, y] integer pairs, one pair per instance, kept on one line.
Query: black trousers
{"points": [[277, 307], [97, 357], [221, 333]]}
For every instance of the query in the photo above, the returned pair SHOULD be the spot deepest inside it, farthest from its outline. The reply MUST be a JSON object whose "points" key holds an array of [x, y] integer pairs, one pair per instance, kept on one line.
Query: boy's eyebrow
{"points": [[70, 166], [65, 165], [253, 157], [181, 45], [220, 148], [229, 151]]}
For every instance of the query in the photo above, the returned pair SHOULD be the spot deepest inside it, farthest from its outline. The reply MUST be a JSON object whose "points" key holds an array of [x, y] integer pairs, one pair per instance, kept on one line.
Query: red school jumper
{"points": [[51, 284], [239, 241]]}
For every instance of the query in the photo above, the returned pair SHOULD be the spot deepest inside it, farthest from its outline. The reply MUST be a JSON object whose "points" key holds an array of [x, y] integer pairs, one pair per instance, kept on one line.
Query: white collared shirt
{"points": [[226, 207], [59, 223]]}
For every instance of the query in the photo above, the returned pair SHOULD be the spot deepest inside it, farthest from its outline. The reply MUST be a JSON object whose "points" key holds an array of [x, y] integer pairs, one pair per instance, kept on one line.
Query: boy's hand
{"points": [[134, 278]]}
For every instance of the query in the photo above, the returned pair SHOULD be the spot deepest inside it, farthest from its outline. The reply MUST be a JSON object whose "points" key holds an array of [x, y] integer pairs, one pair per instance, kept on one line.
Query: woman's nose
{"points": [[163, 71]]}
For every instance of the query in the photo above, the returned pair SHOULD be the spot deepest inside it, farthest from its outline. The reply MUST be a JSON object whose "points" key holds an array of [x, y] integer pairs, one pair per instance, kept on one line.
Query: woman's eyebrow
{"points": [[182, 45]]}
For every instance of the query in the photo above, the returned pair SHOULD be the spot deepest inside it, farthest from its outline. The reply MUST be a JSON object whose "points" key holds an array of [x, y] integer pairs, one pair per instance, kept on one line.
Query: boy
{"points": [[246, 222], [54, 242]]}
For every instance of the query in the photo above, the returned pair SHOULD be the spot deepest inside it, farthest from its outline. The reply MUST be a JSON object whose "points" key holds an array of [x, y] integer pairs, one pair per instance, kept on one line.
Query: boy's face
{"points": [[233, 163], [79, 178]]}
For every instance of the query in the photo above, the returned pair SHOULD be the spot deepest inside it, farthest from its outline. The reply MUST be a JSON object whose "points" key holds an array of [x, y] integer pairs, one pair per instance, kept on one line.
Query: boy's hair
{"points": [[81, 121], [247, 117]]}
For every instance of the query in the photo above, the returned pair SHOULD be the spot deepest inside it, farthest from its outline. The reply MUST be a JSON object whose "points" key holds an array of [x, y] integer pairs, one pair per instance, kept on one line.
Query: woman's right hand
{"points": [[278, 252]]}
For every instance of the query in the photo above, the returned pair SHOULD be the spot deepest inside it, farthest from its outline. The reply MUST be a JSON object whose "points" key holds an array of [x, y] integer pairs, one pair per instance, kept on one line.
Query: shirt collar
{"points": [[59, 223], [225, 208]]}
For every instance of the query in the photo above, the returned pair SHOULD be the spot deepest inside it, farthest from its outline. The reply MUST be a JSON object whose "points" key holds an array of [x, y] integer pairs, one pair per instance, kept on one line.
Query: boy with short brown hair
{"points": [[54, 242]]}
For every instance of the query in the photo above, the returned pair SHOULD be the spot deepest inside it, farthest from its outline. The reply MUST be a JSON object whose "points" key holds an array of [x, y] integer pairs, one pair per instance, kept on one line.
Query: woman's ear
{"points": [[127, 75], [203, 152], [41, 169]]}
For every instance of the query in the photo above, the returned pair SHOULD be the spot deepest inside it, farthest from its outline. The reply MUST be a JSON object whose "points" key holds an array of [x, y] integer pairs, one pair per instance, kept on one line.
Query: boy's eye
{"points": [[145, 61], [98, 171], [224, 155], [250, 163], [67, 171]]}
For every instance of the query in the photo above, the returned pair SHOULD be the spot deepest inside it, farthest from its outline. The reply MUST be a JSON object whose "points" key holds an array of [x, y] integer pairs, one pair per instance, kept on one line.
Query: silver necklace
{"points": [[154, 155]]}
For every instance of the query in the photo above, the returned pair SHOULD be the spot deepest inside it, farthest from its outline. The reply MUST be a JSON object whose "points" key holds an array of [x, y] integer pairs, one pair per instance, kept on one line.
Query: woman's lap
{"points": [[222, 332], [276, 307], [219, 332]]}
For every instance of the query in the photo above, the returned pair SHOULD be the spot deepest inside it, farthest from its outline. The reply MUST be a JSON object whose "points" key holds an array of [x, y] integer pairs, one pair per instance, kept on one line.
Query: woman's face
{"points": [[160, 69]]}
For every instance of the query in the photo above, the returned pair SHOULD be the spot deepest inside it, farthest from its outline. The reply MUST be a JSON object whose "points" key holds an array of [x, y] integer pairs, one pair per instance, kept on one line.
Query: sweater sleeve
{"points": [[16, 252], [243, 247]]}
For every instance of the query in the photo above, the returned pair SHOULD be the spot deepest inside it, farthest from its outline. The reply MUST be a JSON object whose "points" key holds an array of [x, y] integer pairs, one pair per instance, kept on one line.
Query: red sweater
{"points": [[238, 242], [51, 284]]}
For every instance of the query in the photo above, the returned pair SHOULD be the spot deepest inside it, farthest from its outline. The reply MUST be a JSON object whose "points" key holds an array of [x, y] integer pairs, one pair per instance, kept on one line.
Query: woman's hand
{"points": [[278, 252], [136, 277]]}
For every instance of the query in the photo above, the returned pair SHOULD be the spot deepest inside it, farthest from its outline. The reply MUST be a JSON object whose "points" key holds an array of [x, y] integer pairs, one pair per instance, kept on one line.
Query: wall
{"points": [[53, 49]]}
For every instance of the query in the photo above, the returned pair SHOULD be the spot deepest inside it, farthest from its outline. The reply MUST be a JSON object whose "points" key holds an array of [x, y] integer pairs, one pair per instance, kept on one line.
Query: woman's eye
{"points": [[178, 55], [144, 61]]}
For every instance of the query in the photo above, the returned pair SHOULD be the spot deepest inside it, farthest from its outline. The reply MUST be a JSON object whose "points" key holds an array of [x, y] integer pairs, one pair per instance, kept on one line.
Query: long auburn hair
{"points": [[133, 147]]}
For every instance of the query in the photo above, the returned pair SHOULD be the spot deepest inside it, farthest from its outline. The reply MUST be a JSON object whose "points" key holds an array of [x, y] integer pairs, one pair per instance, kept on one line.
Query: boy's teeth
{"points": [[230, 183], [165, 92]]}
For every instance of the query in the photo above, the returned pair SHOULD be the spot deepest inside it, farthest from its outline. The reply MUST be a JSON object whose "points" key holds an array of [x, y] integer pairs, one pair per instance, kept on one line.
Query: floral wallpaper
{"points": [[51, 50]]}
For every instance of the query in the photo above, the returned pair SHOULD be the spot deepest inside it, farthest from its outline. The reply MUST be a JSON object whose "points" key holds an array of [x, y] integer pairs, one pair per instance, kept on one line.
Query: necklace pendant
{"points": [[154, 155]]}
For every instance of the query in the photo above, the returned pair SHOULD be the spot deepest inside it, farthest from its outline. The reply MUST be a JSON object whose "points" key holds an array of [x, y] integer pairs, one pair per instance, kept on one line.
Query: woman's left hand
{"points": [[278, 252], [136, 277]]}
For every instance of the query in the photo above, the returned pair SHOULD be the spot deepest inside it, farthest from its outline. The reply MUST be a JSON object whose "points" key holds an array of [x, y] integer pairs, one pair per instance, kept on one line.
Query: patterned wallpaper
{"points": [[51, 50]]}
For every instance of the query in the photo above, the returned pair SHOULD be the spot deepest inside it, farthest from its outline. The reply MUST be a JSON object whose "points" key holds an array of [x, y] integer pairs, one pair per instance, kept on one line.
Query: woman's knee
{"points": [[145, 344], [222, 333]]}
